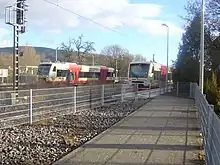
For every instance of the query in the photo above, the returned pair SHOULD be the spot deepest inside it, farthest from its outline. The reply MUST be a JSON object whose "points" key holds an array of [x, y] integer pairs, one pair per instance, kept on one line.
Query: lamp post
{"points": [[167, 27], [57, 53], [201, 68]]}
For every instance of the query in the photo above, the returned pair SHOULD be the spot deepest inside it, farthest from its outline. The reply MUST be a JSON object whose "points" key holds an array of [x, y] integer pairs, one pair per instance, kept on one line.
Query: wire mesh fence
{"points": [[38, 104], [210, 126]]}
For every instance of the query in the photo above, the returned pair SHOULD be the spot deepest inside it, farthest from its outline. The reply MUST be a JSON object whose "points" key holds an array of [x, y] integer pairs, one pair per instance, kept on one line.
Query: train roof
{"points": [[58, 63], [99, 66], [140, 62]]}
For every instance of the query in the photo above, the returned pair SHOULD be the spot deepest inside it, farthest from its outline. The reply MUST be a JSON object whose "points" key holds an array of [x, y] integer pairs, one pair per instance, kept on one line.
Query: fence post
{"points": [[103, 94], [74, 99], [30, 106], [122, 93], [190, 90], [177, 88], [136, 91], [160, 86]]}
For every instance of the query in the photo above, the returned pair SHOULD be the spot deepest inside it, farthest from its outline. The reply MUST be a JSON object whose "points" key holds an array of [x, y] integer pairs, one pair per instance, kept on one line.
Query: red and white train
{"points": [[72, 73], [147, 73]]}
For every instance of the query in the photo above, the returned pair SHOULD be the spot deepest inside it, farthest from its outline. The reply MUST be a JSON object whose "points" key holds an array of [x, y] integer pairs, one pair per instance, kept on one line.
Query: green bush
{"points": [[212, 92]]}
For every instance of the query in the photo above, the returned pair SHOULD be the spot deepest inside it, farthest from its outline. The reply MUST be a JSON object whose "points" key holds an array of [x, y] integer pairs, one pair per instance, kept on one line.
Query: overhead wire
{"points": [[85, 18]]}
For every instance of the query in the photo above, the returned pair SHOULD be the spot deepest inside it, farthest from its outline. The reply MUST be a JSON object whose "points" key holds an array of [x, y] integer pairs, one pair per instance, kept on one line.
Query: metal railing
{"points": [[40, 104], [210, 126]]}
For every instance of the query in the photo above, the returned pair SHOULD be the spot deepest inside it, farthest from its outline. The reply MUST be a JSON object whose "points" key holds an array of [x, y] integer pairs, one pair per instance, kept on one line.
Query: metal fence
{"points": [[210, 126], [39, 104], [183, 89]]}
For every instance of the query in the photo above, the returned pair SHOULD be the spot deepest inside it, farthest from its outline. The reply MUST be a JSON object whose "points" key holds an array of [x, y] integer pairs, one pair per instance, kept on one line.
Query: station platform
{"points": [[163, 132]]}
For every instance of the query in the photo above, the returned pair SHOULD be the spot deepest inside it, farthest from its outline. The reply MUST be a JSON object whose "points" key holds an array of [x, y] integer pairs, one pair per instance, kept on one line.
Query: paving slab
{"points": [[163, 132]]}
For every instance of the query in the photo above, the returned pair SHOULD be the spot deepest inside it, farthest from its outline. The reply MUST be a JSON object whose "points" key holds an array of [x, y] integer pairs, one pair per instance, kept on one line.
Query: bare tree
{"points": [[139, 57], [68, 51], [116, 51], [83, 48], [119, 55], [78, 47]]}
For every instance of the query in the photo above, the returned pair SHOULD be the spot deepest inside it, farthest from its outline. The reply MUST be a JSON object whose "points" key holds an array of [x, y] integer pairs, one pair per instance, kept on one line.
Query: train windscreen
{"points": [[139, 70], [44, 69]]}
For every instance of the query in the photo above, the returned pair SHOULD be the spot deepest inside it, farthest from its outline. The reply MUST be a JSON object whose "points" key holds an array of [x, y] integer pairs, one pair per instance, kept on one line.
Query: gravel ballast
{"points": [[45, 142]]}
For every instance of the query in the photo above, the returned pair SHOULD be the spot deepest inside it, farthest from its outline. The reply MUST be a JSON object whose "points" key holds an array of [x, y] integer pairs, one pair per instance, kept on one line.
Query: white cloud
{"points": [[55, 31], [155, 27], [6, 43], [111, 13], [4, 32]]}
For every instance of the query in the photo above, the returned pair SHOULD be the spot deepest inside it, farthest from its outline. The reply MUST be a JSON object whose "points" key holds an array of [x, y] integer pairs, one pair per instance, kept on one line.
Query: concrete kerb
{"points": [[95, 138]]}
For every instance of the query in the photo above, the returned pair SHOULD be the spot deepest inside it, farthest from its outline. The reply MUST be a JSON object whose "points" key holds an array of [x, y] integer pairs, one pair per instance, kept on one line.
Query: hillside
{"points": [[48, 53], [32, 56]]}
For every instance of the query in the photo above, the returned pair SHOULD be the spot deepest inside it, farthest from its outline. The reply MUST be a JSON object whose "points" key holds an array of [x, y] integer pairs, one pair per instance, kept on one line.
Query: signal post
{"points": [[15, 16]]}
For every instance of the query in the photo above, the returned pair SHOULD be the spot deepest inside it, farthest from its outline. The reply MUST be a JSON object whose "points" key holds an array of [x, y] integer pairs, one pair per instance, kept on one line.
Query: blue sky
{"points": [[138, 20]]}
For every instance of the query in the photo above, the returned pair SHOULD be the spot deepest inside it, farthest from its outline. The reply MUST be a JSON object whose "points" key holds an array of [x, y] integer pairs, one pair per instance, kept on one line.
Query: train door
{"points": [[53, 72], [70, 77], [103, 74]]}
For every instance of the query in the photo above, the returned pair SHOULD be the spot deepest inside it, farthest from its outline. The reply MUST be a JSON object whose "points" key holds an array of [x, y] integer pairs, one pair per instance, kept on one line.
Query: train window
{"points": [[89, 74], [43, 69], [61, 73], [97, 74], [81, 74], [110, 74], [54, 69], [157, 75]]}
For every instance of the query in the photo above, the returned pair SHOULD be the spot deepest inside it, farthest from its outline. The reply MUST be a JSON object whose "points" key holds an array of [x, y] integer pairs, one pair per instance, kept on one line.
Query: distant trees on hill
{"points": [[80, 51], [75, 50], [28, 57]]}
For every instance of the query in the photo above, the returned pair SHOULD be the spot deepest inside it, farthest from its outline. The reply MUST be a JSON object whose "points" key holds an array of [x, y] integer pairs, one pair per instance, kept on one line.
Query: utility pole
{"points": [[201, 68], [153, 57], [15, 16]]}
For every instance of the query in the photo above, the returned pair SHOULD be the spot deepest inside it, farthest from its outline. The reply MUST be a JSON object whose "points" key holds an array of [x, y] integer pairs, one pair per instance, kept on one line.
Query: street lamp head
{"points": [[164, 25]]}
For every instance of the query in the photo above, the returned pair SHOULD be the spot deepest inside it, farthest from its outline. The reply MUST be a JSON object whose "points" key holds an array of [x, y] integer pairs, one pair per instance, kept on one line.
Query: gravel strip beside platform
{"points": [[47, 141]]}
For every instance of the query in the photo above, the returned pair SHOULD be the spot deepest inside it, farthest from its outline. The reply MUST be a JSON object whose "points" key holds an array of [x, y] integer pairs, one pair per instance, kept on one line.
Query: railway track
{"points": [[23, 86]]}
